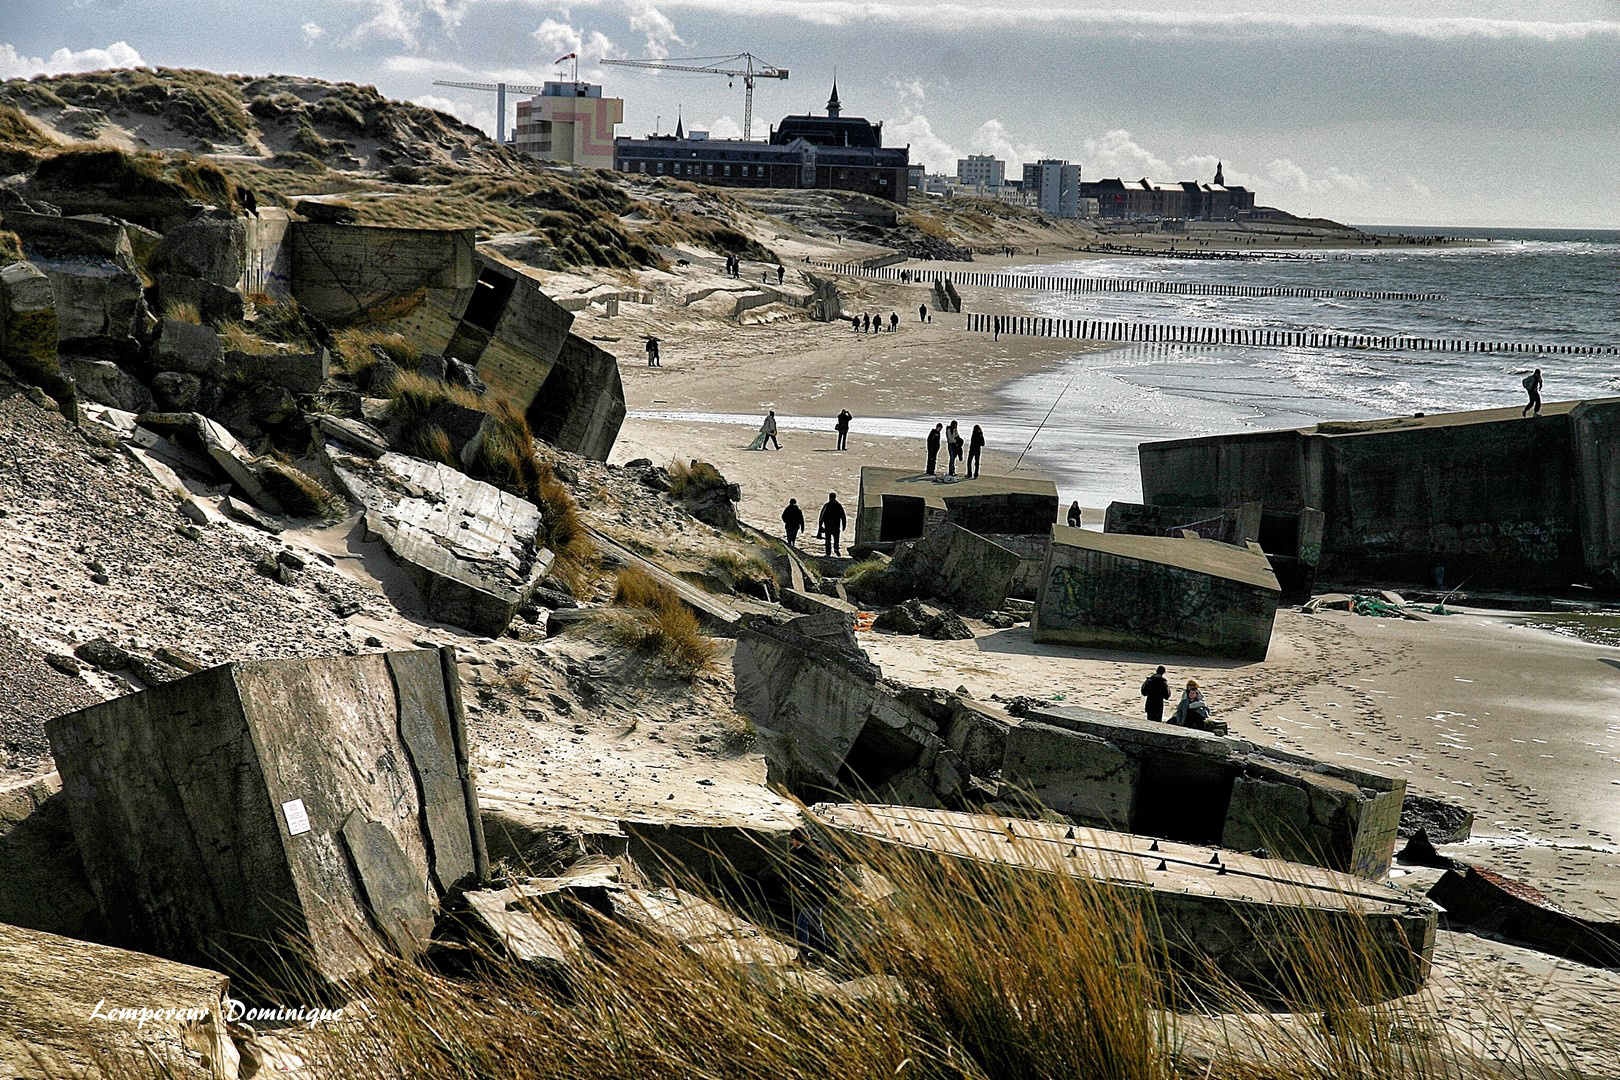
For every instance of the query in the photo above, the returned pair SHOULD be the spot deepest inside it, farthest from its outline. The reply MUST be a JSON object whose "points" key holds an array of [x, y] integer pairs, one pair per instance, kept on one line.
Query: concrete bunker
{"points": [[1111, 591], [988, 505], [277, 818], [1291, 541], [1483, 496]]}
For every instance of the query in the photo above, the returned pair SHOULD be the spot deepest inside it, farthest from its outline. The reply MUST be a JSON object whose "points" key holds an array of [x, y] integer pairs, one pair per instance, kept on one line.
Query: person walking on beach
{"points": [[953, 447], [894, 321], [1532, 386], [652, 352], [831, 523], [842, 427], [1074, 519], [1156, 689], [877, 322], [933, 447], [781, 272], [922, 312], [793, 525], [975, 448], [995, 329], [866, 322], [1193, 710], [767, 431]]}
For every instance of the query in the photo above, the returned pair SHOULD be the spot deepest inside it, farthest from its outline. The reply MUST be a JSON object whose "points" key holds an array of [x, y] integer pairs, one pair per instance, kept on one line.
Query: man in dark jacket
{"points": [[832, 523], [1156, 688], [842, 427], [793, 521], [975, 449], [933, 447]]}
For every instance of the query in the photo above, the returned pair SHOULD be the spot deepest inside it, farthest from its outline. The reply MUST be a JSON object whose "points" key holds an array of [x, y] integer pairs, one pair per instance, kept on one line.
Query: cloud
{"points": [[724, 127], [660, 31], [401, 20], [423, 67], [312, 32], [1116, 153], [1292, 178], [1106, 17], [994, 139], [913, 91], [927, 147], [479, 116], [560, 38], [120, 54]]}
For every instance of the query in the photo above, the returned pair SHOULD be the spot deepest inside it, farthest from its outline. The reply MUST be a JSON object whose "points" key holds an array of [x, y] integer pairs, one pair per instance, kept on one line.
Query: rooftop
{"points": [[877, 482]]}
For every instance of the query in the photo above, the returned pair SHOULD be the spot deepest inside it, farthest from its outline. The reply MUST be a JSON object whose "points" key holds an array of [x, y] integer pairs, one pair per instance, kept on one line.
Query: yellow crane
{"points": [[746, 66]]}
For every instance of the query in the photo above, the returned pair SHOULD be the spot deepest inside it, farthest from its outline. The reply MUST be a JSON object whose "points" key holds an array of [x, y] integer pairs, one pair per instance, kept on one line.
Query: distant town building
{"points": [[569, 122], [982, 172], [843, 153], [1186, 200], [1056, 185]]}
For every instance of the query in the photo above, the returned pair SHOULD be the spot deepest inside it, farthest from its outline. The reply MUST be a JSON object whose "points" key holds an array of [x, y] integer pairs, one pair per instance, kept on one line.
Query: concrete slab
{"points": [[1211, 907], [470, 548], [232, 812], [62, 1010], [965, 570], [1106, 590]]}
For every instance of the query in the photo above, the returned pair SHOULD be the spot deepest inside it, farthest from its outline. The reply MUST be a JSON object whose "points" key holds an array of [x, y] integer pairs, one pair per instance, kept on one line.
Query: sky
{"points": [[1453, 113]]}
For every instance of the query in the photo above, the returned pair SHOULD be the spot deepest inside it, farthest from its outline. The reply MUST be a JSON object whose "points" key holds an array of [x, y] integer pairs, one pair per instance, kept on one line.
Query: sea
{"points": [[1080, 421]]}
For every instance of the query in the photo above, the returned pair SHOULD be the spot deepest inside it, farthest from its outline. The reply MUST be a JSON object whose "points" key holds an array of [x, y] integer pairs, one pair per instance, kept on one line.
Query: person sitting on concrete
{"points": [[842, 427], [1156, 689], [831, 523], [793, 525], [975, 451], [1192, 711], [1074, 516], [1532, 386], [933, 447], [767, 431]]}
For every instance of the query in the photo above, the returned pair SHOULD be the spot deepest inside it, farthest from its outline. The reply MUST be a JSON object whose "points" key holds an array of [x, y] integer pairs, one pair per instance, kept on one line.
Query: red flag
{"points": [[570, 56]]}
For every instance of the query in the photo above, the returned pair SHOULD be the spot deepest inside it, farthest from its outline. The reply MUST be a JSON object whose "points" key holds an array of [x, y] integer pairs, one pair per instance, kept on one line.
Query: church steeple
{"points": [[680, 133], [833, 105], [1220, 178]]}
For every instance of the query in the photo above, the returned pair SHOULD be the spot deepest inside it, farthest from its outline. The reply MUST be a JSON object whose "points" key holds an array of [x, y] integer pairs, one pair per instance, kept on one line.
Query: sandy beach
{"points": [[1515, 723]]}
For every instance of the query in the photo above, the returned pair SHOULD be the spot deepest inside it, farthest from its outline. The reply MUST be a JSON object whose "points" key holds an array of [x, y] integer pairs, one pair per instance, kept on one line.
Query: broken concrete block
{"points": [[470, 548], [906, 617], [28, 326], [1079, 776], [1306, 813], [236, 461], [511, 923], [175, 391], [1475, 898], [466, 428], [237, 510], [106, 382], [698, 926], [825, 719], [1229, 525], [354, 434], [580, 406], [216, 304], [94, 281], [1234, 913], [43, 887], [322, 805], [188, 347], [946, 626], [900, 504], [339, 271], [1110, 591], [299, 373], [211, 247], [958, 567], [814, 604], [1443, 822], [62, 1013], [978, 736]]}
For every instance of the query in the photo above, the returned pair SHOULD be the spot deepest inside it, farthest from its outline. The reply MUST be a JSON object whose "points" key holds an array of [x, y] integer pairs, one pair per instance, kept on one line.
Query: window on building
{"points": [[728, 170]]}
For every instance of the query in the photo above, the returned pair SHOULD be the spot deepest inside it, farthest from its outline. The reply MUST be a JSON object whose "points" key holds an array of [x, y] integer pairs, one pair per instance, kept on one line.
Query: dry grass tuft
{"points": [[10, 248], [356, 348], [239, 337], [657, 622], [430, 443], [416, 396], [298, 492], [187, 312]]}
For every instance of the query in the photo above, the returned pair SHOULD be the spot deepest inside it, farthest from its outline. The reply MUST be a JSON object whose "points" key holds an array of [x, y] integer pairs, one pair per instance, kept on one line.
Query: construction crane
{"points": [[752, 67], [500, 99]]}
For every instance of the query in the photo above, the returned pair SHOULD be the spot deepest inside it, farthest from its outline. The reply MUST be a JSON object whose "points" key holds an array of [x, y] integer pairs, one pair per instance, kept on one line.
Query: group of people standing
{"points": [[955, 447]]}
